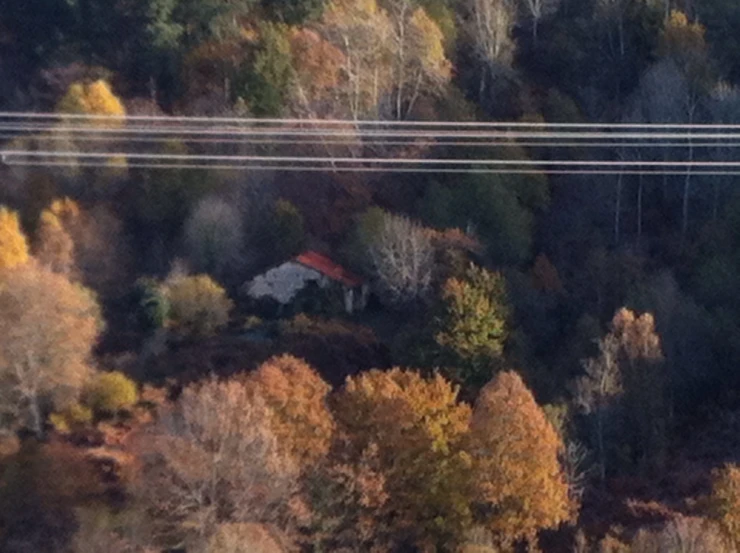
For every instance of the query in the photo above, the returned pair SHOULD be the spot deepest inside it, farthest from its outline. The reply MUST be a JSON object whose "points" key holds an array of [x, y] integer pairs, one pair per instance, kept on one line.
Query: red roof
{"points": [[324, 265]]}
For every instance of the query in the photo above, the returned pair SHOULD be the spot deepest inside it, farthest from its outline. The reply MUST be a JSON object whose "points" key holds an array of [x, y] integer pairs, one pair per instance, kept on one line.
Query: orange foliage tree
{"points": [[520, 485], [725, 501], [13, 245], [347, 496], [296, 397], [419, 428], [318, 68]]}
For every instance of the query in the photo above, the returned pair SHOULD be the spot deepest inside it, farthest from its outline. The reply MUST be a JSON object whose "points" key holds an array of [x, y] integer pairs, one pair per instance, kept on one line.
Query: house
{"points": [[284, 282]]}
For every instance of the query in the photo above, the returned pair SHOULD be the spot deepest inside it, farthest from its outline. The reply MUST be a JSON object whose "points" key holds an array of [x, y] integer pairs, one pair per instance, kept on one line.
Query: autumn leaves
{"points": [[392, 458]]}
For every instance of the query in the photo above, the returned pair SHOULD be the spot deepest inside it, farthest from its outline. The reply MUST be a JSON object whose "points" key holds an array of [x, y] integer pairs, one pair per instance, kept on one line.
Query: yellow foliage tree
{"points": [[296, 396], [94, 98], [111, 392], [13, 244], [198, 305], [68, 211], [519, 481], [54, 247], [725, 501], [419, 428]]}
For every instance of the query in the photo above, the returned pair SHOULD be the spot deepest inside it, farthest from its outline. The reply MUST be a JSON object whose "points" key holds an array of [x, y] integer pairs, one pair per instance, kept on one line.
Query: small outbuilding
{"points": [[284, 282]]}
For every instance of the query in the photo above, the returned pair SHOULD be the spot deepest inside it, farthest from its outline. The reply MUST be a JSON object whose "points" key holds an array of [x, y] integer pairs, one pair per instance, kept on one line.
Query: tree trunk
{"points": [[687, 190], [618, 209], [639, 207], [600, 444], [36, 420]]}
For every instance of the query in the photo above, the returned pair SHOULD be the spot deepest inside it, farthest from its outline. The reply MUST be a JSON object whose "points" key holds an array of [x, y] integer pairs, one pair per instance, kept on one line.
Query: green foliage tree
{"points": [[266, 83], [286, 234], [499, 209], [150, 304], [198, 305], [293, 12], [471, 328]]}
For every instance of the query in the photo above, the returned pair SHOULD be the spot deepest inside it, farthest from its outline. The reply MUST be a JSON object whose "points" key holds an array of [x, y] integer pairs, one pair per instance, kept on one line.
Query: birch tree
{"points": [[420, 64], [597, 389], [48, 327], [402, 257], [362, 32], [536, 10], [489, 24]]}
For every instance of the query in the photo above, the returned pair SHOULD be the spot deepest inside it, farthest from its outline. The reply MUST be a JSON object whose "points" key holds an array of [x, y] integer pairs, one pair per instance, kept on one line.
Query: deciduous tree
{"points": [[48, 327], [54, 247], [214, 237], [488, 24], [13, 244], [520, 484], [296, 396], [362, 31], [198, 305], [472, 324], [95, 98], [210, 459], [400, 253], [243, 537], [725, 501], [419, 428]]}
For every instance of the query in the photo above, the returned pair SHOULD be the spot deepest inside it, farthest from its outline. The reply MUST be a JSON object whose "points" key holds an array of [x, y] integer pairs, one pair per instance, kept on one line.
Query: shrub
{"points": [[150, 304], [198, 305], [111, 392], [72, 417]]}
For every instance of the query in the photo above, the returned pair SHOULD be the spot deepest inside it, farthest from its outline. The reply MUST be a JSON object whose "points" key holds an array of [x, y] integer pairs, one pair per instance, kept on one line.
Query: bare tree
{"points": [[210, 459], [214, 236], [597, 388], [48, 327], [402, 256], [363, 34], [537, 10], [682, 535], [243, 538], [666, 95], [724, 107], [489, 24]]}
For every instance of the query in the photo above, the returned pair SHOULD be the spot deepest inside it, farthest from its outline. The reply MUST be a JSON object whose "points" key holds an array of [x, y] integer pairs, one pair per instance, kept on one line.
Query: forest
{"points": [[491, 362]]}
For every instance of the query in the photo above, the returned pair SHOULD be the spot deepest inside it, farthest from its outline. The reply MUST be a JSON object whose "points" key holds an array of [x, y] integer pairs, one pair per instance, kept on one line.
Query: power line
{"points": [[359, 142], [362, 160], [357, 122], [420, 170]]}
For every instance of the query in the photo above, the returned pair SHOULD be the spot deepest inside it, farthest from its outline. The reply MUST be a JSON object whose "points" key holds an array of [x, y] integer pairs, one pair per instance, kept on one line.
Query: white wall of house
{"points": [[284, 281]]}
